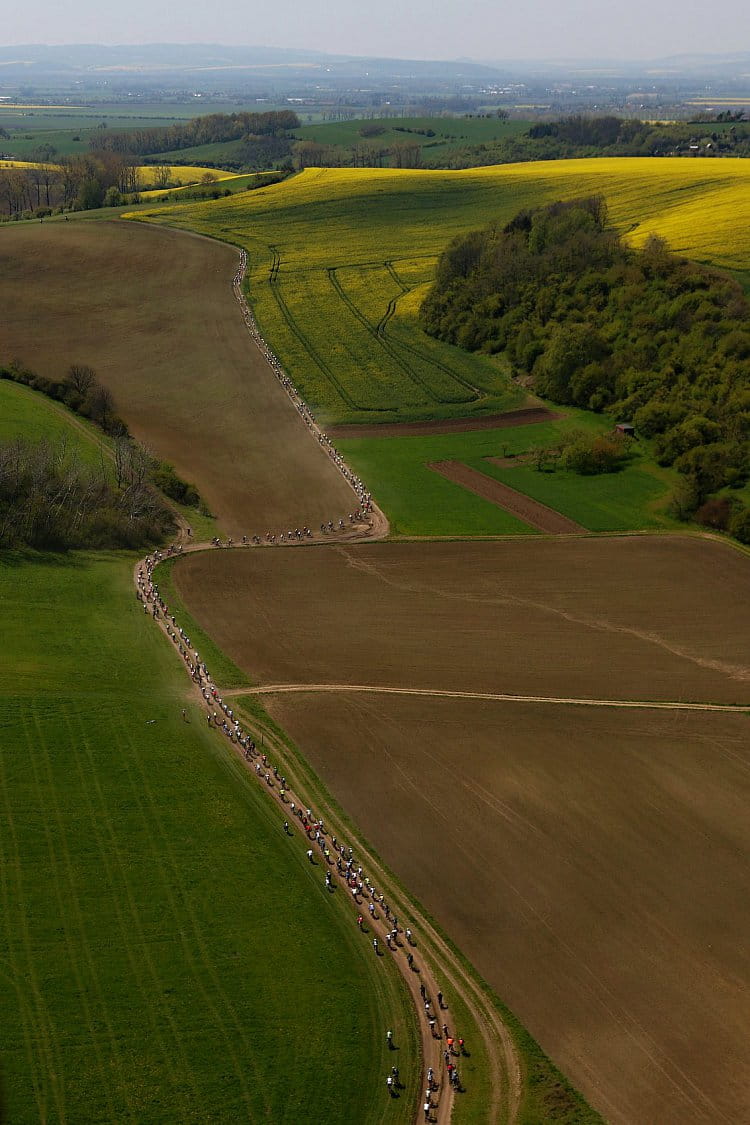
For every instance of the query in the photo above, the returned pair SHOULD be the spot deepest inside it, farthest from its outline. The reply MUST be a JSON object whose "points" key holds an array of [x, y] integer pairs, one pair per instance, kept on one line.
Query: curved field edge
{"points": [[378, 232], [149, 897], [222, 668], [30, 415], [546, 1094]]}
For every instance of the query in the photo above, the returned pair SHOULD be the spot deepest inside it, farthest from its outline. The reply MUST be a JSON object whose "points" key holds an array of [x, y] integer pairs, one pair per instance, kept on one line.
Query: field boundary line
{"points": [[205, 690], [497, 697], [379, 527]]}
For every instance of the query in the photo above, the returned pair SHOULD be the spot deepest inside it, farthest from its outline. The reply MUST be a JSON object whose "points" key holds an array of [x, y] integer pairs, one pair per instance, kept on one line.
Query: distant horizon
{"points": [[594, 61], [480, 30], [474, 59]]}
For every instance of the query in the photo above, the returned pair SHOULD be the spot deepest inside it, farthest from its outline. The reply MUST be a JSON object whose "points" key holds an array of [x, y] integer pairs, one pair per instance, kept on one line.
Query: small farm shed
{"points": [[625, 428]]}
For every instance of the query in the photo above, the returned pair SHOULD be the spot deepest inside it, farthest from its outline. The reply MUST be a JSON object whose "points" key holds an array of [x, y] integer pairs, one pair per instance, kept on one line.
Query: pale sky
{"points": [[422, 29]]}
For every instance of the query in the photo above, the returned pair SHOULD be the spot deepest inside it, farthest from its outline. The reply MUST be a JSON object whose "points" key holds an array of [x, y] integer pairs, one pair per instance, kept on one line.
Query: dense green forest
{"points": [[644, 335]]}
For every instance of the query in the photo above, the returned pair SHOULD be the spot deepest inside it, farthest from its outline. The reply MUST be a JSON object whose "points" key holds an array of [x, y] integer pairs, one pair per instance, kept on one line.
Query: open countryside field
{"points": [[167, 953], [592, 864], [589, 860], [340, 259], [437, 137], [641, 618], [152, 311], [419, 502]]}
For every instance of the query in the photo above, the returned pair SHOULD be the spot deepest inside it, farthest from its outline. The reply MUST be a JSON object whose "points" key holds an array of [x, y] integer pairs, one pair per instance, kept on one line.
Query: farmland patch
{"points": [[153, 312], [530, 511], [590, 863], [622, 618]]}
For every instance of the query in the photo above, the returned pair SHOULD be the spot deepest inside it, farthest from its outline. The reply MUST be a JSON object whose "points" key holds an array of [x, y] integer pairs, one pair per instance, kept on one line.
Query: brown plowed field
{"points": [[622, 618], [530, 511], [152, 310], [591, 864], [525, 417]]}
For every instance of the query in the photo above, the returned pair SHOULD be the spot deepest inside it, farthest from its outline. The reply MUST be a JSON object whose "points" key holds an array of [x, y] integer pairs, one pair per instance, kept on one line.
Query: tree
{"points": [[162, 176], [99, 405], [739, 525], [80, 377]]}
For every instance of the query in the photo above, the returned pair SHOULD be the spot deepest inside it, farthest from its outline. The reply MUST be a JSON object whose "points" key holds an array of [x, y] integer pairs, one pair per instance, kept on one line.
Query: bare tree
{"points": [[99, 404], [81, 377]]}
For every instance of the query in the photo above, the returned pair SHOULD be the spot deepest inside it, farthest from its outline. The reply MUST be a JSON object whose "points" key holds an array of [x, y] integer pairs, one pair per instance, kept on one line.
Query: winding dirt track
{"points": [[440, 968]]}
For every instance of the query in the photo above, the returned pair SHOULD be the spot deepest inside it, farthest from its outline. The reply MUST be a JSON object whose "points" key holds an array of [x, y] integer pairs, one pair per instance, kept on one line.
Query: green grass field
{"points": [[166, 952], [339, 260], [449, 133], [28, 414], [421, 502]]}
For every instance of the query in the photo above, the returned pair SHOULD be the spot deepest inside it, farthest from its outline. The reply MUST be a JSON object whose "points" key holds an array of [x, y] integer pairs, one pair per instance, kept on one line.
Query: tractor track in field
{"points": [[392, 347], [408, 371], [493, 697]]}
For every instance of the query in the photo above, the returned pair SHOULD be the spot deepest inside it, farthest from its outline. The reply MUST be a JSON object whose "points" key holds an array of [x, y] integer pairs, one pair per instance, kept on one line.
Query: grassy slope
{"points": [[419, 502], [166, 952], [27, 414], [347, 249]]}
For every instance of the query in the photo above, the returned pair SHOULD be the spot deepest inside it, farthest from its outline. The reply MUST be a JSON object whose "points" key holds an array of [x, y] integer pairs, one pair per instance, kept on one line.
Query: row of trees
{"points": [[214, 128], [363, 154], [97, 179], [646, 336], [579, 136]]}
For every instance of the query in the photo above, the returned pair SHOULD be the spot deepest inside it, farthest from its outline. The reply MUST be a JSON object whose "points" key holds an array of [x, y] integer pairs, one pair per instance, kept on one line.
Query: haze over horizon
{"points": [[480, 31]]}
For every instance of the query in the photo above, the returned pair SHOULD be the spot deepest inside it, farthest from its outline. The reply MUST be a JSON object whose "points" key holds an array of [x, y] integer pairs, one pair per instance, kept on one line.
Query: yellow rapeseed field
{"points": [[339, 260], [178, 173]]}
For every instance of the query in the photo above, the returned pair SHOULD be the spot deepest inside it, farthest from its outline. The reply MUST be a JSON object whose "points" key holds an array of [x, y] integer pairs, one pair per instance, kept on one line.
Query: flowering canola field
{"points": [[178, 173], [339, 259]]}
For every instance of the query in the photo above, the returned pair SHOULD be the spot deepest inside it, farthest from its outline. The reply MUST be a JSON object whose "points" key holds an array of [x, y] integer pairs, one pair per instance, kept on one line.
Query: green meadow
{"points": [[166, 952], [29, 415], [419, 501]]}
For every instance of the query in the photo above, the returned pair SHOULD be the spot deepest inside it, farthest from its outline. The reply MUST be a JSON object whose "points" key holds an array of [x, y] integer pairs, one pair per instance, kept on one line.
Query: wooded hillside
{"points": [[641, 334]]}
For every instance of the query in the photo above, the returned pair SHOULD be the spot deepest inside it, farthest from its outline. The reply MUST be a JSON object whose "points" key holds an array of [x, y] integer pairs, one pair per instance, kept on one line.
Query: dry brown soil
{"points": [[530, 511], [592, 864], [621, 618], [524, 417], [152, 310]]}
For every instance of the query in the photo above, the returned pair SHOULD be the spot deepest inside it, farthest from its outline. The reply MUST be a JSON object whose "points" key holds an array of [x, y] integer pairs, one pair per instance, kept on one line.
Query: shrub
{"points": [[739, 524], [590, 455], [715, 513]]}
